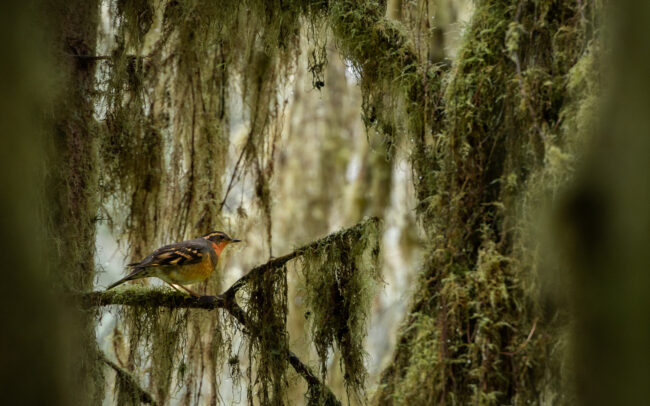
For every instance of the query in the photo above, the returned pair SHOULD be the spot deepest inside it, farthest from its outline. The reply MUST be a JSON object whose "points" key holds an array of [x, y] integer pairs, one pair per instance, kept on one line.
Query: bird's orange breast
{"points": [[188, 274]]}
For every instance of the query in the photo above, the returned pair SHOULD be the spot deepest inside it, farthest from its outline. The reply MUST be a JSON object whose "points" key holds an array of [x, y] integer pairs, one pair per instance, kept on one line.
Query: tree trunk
{"points": [[33, 334], [72, 184]]}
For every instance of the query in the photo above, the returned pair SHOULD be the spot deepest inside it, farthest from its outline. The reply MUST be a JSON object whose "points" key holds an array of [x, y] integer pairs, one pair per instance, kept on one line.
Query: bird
{"points": [[181, 263]]}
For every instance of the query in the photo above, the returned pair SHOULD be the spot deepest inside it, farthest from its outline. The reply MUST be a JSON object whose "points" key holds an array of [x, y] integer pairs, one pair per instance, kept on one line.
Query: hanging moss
{"points": [[166, 339], [361, 31], [137, 18], [340, 281], [269, 340], [152, 330], [167, 91]]}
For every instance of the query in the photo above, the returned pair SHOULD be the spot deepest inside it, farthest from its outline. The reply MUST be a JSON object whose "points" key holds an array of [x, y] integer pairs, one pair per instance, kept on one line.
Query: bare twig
{"points": [[523, 345]]}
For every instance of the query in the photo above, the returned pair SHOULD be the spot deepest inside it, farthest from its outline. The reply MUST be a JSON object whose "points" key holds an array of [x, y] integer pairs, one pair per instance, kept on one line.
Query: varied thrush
{"points": [[183, 262]]}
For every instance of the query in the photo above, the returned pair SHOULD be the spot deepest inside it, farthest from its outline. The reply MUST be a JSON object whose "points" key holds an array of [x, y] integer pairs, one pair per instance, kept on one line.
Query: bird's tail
{"points": [[136, 274]]}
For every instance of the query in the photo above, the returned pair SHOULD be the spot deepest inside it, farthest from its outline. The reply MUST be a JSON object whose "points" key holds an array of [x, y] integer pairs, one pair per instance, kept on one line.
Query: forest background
{"points": [[463, 187]]}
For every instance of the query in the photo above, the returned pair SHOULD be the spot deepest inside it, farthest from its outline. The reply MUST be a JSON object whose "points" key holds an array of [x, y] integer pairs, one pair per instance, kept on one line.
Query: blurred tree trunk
{"points": [[608, 223], [31, 339], [72, 182], [48, 235]]}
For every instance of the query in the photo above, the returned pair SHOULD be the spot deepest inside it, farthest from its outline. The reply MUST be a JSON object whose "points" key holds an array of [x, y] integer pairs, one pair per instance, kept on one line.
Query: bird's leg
{"points": [[174, 287], [189, 291], [186, 289]]}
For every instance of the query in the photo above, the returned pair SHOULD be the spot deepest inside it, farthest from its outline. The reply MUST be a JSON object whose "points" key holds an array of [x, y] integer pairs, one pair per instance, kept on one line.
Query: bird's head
{"points": [[219, 240]]}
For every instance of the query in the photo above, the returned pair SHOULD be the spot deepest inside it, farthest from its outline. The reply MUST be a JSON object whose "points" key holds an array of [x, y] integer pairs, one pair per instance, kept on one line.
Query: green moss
{"points": [[137, 19], [152, 330], [269, 340], [476, 324], [384, 59]]}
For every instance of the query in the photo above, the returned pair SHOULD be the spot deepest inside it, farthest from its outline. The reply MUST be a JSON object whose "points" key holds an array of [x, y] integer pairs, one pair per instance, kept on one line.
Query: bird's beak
{"points": [[234, 240]]}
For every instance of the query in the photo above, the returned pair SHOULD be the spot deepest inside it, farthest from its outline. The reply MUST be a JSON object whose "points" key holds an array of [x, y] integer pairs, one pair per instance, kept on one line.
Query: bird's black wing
{"points": [[182, 253]]}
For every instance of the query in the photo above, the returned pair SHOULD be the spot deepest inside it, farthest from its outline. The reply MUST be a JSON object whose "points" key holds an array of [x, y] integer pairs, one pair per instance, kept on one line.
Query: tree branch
{"points": [[278, 263], [149, 297], [127, 378]]}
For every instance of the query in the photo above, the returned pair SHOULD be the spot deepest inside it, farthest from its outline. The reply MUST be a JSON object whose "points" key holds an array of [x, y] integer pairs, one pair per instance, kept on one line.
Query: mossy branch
{"points": [[148, 297], [127, 379]]}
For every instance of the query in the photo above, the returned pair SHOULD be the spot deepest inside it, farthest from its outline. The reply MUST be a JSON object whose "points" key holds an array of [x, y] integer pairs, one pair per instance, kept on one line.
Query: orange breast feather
{"points": [[188, 274]]}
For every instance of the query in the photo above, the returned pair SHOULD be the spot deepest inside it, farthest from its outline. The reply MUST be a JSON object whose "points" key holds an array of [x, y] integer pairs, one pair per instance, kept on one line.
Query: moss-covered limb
{"points": [[279, 262], [138, 296], [352, 241], [318, 394], [126, 379]]}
